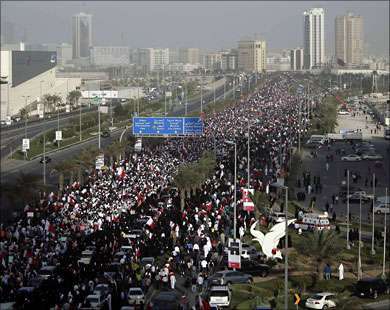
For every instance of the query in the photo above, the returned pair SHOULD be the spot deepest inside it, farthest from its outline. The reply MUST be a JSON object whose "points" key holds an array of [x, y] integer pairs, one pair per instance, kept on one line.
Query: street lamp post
{"points": [[360, 239], [277, 185], [235, 189], [373, 216], [384, 237], [201, 92], [44, 147], [26, 116], [348, 246], [99, 142], [58, 118]]}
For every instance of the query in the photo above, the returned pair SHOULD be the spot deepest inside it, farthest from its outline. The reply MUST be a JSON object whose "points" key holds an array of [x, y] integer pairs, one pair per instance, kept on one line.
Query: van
{"points": [[220, 296], [312, 221], [316, 140], [138, 146]]}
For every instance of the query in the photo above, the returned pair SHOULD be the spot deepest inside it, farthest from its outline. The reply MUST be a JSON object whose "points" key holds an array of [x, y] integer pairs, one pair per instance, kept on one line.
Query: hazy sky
{"points": [[217, 24]]}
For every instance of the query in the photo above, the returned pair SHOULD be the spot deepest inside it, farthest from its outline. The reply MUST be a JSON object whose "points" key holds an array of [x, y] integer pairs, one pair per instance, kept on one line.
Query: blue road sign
{"points": [[167, 126]]}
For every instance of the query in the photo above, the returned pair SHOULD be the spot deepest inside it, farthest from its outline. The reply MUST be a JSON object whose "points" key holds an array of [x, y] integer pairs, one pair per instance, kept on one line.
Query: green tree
{"points": [[23, 113], [184, 181], [73, 97], [321, 246]]}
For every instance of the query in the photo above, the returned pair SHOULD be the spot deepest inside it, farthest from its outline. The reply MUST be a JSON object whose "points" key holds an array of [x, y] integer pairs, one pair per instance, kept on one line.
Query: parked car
{"points": [[229, 277], [278, 217], [86, 257], [47, 160], [355, 197], [371, 287], [351, 157], [254, 268], [135, 296], [47, 272], [371, 156], [95, 301], [321, 301], [382, 208], [166, 300], [102, 290], [219, 296]]}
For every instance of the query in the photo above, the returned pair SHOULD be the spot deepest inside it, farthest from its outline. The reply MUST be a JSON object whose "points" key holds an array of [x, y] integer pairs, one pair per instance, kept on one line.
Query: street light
{"points": [[384, 237], [58, 117], [348, 246], [278, 185], [373, 215], [360, 239], [235, 189], [26, 116], [249, 125]]}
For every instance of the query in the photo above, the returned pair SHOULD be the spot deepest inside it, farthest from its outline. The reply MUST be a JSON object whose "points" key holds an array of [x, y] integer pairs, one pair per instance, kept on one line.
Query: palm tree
{"points": [[73, 97], [23, 113], [51, 101], [321, 246], [184, 180]]}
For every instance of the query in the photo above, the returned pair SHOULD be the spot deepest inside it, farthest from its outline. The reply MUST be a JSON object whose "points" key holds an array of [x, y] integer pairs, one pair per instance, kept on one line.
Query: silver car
{"points": [[135, 296]]}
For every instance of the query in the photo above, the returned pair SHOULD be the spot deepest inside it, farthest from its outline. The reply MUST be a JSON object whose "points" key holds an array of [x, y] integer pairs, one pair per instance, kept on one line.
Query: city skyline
{"points": [[216, 29]]}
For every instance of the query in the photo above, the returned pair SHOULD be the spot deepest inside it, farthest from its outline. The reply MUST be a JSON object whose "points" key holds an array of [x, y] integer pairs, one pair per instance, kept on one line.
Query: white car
{"points": [[135, 296], [343, 113], [321, 301], [95, 301], [220, 296], [372, 156], [382, 208], [351, 157]]}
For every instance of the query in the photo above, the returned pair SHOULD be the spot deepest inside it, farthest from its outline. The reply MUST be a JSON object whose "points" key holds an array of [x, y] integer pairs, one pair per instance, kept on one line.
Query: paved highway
{"points": [[11, 168]]}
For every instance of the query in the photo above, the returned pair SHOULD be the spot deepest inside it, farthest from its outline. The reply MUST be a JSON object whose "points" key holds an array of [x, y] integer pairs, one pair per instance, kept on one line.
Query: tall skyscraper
{"points": [[82, 35], [313, 38], [296, 59], [349, 39], [252, 55]]}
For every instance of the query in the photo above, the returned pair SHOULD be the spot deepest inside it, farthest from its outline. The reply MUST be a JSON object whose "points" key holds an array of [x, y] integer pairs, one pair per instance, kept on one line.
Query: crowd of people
{"points": [[138, 192]]}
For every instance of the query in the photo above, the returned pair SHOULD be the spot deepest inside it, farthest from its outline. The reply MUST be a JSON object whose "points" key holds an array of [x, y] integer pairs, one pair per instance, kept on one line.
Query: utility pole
{"points": [[249, 174], [44, 146], [286, 251], [384, 237], [373, 216], [80, 107], [348, 246], [99, 142], [58, 118], [299, 126], [360, 239], [235, 190]]}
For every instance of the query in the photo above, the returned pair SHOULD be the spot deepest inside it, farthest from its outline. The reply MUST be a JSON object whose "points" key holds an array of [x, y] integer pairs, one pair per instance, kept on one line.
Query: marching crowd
{"points": [[138, 192]]}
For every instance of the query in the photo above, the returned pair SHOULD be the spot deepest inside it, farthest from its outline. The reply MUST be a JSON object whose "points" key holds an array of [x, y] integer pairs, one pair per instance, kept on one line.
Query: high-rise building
{"points": [[64, 54], [229, 60], [153, 59], [349, 39], [82, 35], [313, 38], [189, 55], [110, 56], [213, 61], [296, 59], [252, 55]]}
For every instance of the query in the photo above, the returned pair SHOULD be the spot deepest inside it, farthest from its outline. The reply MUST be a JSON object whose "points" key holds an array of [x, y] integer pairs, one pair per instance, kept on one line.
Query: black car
{"points": [[254, 268], [165, 300], [371, 287], [47, 159], [105, 134]]}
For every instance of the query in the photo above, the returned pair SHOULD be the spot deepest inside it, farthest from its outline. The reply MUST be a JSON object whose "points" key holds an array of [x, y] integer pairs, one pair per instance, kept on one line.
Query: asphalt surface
{"points": [[333, 178], [10, 169]]}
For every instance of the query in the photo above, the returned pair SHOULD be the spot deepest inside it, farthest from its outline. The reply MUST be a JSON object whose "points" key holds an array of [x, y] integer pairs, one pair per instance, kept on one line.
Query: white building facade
{"points": [[110, 56], [82, 35], [313, 38], [252, 55]]}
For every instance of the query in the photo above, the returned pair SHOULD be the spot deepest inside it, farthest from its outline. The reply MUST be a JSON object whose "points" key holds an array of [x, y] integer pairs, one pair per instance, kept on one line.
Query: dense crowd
{"points": [[138, 192]]}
